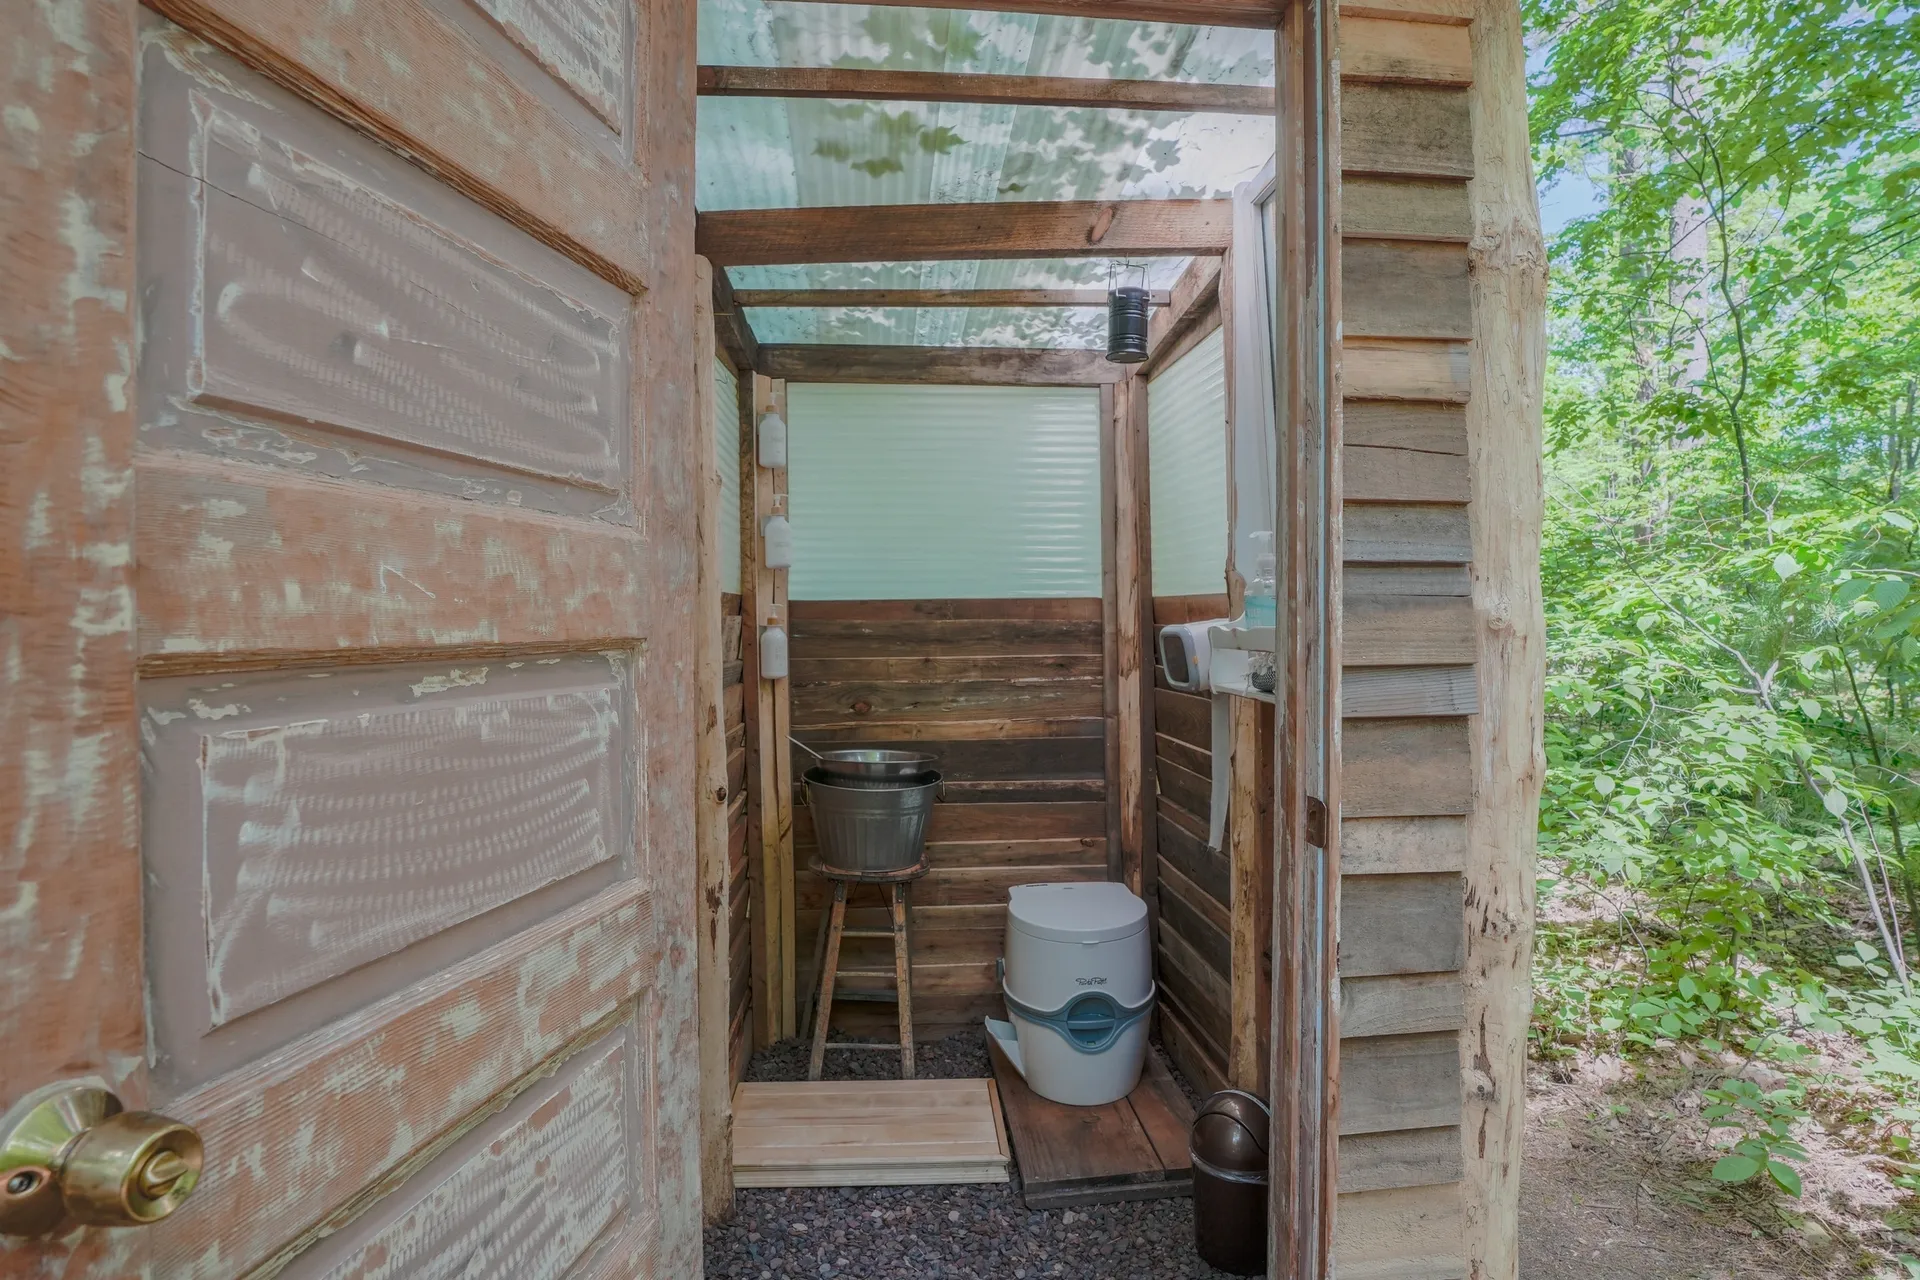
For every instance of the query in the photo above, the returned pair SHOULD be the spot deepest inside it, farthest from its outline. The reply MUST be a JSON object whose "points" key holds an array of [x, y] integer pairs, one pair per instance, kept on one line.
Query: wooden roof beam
{"points": [[1211, 13], [730, 322], [862, 84], [974, 366], [926, 232], [932, 298]]}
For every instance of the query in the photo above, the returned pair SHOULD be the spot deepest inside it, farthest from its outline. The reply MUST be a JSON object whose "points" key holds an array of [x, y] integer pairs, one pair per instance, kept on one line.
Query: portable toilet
{"points": [[1078, 981]]}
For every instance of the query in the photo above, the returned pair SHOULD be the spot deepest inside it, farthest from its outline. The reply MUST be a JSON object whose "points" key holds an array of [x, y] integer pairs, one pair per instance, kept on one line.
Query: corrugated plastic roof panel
{"points": [[770, 153]]}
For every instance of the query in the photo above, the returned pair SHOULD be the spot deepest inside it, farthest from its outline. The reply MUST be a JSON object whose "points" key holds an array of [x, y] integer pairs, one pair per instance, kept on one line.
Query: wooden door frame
{"points": [[1306, 1038]]}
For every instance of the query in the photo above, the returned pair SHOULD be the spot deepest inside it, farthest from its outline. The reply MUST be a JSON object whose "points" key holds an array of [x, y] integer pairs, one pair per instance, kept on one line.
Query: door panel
{"points": [[586, 45], [314, 302], [292, 1140], [316, 839], [478, 102], [409, 589], [522, 1197]]}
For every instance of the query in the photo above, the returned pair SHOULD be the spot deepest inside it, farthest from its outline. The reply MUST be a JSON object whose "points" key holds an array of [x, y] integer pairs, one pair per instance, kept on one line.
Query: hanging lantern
{"points": [[1127, 310]]}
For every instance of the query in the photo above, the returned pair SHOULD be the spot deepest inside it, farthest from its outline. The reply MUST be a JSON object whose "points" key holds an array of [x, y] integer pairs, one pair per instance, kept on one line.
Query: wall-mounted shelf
{"points": [[1231, 646], [1250, 639], [1239, 688]]}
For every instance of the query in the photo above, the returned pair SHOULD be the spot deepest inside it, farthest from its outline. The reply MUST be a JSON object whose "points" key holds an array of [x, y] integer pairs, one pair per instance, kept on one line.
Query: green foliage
{"points": [[1764, 1120], [1731, 567]]}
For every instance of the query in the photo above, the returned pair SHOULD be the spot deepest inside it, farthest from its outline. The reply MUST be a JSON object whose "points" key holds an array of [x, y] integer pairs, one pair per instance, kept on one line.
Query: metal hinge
{"points": [[1316, 822]]}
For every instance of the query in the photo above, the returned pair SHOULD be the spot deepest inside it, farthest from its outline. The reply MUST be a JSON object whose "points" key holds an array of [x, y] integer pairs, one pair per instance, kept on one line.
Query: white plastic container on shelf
{"points": [[1078, 982]]}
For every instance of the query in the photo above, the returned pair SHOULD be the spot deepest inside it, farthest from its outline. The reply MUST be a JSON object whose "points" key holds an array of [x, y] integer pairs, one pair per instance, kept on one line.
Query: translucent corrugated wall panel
{"points": [[726, 447], [1187, 468], [775, 153], [917, 492]]}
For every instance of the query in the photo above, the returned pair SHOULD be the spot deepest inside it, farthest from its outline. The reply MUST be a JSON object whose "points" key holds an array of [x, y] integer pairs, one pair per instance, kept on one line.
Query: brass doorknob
{"points": [[68, 1152]]}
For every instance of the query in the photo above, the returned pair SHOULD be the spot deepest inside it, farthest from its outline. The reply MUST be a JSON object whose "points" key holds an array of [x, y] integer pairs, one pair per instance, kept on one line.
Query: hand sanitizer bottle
{"points": [[1260, 587]]}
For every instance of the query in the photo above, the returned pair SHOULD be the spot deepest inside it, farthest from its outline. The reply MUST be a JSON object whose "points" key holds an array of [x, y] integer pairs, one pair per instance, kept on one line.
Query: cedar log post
{"points": [[1503, 448]]}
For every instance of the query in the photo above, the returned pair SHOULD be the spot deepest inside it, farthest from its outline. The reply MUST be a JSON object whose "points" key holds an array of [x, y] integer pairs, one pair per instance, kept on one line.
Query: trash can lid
{"points": [[1096, 911], [1230, 1133]]}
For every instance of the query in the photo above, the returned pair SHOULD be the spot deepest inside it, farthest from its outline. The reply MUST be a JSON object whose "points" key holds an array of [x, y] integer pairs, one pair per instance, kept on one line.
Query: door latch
{"points": [[69, 1152]]}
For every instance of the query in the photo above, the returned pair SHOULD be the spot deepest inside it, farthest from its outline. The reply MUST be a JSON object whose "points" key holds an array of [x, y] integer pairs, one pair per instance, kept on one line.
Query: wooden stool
{"points": [[833, 927]]}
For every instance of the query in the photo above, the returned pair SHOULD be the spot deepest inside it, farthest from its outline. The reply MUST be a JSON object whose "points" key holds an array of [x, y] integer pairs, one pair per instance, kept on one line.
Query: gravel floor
{"points": [[976, 1232]]}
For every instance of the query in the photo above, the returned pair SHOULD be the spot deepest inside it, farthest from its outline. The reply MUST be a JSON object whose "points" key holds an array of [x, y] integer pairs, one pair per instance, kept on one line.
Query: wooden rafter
{"points": [[1196, 298], [865, 84], [1212, 13], [1005, 229], [931, 298], [730, 325], [976, 366]]}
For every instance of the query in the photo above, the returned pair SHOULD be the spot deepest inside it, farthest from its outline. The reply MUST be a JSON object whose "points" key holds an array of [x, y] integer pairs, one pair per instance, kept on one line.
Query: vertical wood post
{"points": [[1306, 1045], [1111, 400], [1229, 333], [1250, 832], [763, 903], [1149, 779], [1509, 267], [1250, 864], [774, 927], [714, 981], [1132, 611]]}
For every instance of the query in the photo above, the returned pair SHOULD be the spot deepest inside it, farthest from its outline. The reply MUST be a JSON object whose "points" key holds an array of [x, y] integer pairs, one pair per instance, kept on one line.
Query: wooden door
{"points": [[345, 607]]}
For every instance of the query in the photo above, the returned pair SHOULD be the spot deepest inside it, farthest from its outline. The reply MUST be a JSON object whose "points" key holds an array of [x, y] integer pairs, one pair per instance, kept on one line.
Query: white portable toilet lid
{"points": [[1096, 911]]}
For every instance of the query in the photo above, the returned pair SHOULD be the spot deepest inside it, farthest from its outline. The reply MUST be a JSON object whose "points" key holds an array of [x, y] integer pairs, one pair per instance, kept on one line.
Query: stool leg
{"points": [[808, 999], [903, 979], [829, 962]]}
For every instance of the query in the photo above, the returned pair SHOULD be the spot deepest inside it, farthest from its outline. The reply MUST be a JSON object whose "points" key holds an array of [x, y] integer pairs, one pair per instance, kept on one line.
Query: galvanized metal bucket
{"points": [[865, 764], [868, 829]]}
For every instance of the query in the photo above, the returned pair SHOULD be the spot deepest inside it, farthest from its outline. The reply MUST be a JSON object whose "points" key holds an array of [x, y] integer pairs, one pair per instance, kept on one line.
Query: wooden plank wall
{"points": [[739, 926], [1410, 643], [1193, 944], [1010, 695]]}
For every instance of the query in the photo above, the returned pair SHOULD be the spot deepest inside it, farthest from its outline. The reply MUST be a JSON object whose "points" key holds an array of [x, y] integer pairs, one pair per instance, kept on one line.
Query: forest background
{"points": [[1730, 833]]}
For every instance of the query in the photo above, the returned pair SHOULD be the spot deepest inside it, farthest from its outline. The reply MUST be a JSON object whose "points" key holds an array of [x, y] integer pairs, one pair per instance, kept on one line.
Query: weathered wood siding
{"points": [[1412, 689], [1193, 944], [1009, 694]]}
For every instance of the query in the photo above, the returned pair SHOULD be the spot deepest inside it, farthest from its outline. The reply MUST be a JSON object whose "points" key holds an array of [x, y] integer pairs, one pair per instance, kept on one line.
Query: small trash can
{"points": [[1229, 1152]]}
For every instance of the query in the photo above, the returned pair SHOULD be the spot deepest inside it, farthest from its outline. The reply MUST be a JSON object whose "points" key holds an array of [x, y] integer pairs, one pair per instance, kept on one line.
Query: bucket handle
{"points": [[939, 792]]}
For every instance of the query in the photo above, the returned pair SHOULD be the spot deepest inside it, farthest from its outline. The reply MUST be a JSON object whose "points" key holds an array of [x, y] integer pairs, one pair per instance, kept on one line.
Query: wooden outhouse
{"points": [[401, 855]]}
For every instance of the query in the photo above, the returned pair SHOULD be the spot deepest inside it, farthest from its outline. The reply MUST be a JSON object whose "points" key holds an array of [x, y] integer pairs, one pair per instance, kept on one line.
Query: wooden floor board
{"points": [[868, 1133], [1133, 1149]]}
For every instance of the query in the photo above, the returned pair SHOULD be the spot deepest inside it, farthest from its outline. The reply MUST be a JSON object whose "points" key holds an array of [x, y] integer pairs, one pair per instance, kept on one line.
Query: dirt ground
{"points": [[1616, 1186]]}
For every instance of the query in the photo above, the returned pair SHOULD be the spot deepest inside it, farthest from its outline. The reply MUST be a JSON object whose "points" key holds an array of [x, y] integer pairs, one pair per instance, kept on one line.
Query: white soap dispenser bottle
{"points": [[777, 541], [1261, 611]]}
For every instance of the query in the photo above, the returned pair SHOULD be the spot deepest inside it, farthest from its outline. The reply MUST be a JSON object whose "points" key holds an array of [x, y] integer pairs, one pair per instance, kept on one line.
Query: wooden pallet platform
{"points": [[1133, 1149], [868, 1133]]}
